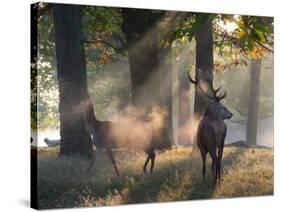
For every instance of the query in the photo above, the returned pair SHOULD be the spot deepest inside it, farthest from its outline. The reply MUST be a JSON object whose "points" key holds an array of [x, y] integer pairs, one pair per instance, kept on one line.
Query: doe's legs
{"points": [[94, 158], [145, 164], [152, 156], [111, 157]]}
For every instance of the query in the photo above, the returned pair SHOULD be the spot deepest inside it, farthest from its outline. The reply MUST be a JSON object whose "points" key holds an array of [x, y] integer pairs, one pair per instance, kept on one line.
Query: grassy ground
{"points": [[64, 182]]}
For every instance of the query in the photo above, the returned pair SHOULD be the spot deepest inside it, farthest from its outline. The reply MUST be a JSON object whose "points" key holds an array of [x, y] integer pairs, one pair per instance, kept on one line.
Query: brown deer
{"points": [[212, 129], [110, 135]]}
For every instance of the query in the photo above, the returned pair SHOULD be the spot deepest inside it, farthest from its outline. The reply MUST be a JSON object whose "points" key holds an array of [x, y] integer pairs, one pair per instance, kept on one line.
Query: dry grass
{"points": [[64, 182]]}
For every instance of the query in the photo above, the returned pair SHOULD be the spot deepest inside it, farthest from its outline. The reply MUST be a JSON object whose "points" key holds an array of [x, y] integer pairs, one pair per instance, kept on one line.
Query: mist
{"points": [[110, 90]]}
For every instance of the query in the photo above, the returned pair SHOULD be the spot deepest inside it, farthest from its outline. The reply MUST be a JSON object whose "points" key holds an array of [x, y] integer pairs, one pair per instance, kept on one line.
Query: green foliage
{"points": [[107, 66], [102, 26], [237, 83], [103, 35], [43, 80], [250, 38], [107, 61]]}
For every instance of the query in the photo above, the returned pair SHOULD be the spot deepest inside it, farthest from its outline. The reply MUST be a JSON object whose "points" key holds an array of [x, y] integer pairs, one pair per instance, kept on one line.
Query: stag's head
{"points": [[215, 108]]}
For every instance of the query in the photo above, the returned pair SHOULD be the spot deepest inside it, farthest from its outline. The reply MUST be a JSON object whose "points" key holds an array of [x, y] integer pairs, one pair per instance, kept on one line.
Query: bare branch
{"points": [[108, 44], [265, 47]]}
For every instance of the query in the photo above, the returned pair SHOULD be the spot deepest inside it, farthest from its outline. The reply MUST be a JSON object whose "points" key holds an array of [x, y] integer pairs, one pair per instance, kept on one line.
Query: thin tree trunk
{"points": [[72, 82], [166, 89], [253, 106], [184, 106]]}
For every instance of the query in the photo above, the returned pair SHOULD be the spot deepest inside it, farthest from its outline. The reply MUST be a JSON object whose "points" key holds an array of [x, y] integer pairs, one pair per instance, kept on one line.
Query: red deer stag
{"points": [[212, 129], [110, 135]]}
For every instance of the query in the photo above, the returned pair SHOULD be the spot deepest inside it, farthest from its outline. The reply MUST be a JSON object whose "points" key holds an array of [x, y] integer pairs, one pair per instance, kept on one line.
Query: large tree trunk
{"points": [[140, 29], [204, 64], [71, 80], [143, 58], [204, 61], [253, 106]]}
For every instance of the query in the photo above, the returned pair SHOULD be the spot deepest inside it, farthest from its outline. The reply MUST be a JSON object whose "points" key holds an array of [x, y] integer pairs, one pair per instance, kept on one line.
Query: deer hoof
{"points": [[144, 169]]}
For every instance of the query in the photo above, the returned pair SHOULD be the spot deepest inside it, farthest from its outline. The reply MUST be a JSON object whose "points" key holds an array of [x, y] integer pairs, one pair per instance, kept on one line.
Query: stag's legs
{"points": [[111, 156], [213, 167], [203, 154], [216, 165], [220, 151], [152, 156]]}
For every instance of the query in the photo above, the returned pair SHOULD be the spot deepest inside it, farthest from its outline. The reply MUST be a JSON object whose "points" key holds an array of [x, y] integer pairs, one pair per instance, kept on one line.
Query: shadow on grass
{"points": [[149, 187], [204, 189], [135, 188]]}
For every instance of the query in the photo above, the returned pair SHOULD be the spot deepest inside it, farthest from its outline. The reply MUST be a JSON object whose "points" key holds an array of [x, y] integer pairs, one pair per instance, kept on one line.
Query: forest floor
{"points": [[65, 182]]}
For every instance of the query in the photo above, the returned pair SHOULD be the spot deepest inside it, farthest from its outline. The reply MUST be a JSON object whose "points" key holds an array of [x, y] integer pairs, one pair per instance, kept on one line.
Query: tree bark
{"points": [[204, 62], [203, 66], [253, 106], [166, 89], [72, 81], [141, 31], [143, 58], [184, 106]]}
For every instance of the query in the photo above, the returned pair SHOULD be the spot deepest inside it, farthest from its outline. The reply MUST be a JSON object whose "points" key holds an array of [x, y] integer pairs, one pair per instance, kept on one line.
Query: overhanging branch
{"points": [[108, 44]]}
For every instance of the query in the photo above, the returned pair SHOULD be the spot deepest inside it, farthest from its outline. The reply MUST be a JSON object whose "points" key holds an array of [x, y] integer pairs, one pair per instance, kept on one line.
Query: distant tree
{"points": [[72, 81], [168, 26], [253, 105], [254, 39]]}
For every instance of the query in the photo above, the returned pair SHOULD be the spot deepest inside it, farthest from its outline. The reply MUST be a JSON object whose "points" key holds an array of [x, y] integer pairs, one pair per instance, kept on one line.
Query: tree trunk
{"points": [[184, 106], [141, 31], [253, 106], [204, 64], [143, 58], [166, 89], [72, 81], [204, 61]]}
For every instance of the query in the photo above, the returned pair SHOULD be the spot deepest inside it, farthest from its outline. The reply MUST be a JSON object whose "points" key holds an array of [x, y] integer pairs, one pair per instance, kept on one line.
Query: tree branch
{"points": [[264, 46], [108, 44], [120, 39]]}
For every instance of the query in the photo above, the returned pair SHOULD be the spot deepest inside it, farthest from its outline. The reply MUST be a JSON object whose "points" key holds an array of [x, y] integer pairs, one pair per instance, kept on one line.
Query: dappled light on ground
{"points": [[64, 181]]}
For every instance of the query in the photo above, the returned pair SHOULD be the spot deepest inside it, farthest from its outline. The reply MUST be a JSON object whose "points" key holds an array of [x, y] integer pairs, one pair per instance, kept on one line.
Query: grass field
{"points": [[64, 181]]}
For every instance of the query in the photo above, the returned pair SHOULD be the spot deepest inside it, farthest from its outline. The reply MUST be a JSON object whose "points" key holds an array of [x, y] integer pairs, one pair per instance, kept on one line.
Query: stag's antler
{"points": [[214, 91], [193, 81], [222, 96]]}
